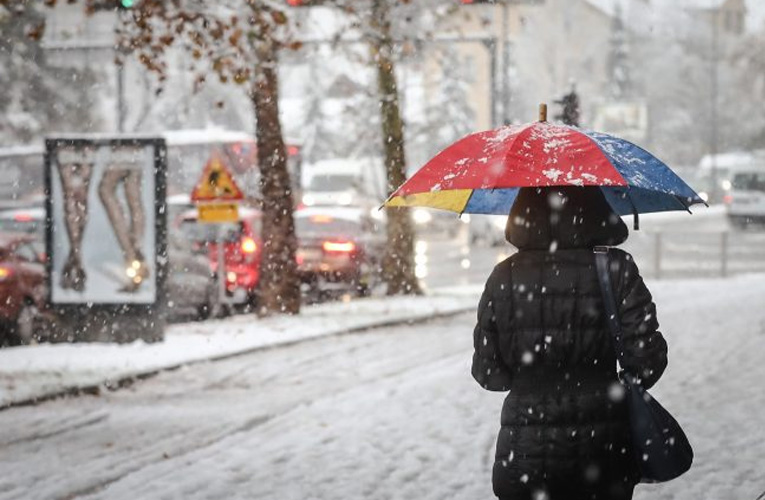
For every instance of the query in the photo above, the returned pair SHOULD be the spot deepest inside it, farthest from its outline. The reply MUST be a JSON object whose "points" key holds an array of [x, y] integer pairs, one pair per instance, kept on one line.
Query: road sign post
{"points": [[217, 197]]}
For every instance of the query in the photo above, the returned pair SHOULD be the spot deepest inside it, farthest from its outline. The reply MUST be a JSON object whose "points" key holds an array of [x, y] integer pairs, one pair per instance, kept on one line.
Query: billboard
{"points": [[106, 220]]}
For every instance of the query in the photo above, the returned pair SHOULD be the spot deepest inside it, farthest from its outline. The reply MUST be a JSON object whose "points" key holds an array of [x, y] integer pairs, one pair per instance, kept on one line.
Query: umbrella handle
{"points": [[543, 112]]}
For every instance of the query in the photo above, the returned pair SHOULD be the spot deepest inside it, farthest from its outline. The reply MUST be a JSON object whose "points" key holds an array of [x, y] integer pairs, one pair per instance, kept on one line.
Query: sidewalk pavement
{"points": [[31, 373]]}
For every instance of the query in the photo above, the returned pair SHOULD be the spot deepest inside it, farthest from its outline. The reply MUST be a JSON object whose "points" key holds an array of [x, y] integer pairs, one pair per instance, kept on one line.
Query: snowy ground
{"points": [[385, 414], [33, 372]]}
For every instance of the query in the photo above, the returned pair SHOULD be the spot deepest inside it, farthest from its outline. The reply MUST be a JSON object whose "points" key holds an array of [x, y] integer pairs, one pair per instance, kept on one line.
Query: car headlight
{"points": [[309, 200], [421, 216]]}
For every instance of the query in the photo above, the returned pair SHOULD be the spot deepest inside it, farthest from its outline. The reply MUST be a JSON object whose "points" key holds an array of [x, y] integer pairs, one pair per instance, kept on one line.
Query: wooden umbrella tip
{"points": [[543, 112]]}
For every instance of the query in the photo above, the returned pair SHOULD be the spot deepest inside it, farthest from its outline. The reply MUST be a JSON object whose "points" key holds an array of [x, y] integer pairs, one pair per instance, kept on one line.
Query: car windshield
{"points": [[334, 182], [208, 233], [750, 181], [325, 226]]}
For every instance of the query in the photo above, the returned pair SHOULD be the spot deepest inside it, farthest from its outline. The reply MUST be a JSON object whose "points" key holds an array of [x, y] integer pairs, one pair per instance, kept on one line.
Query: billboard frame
{"points": [[109, 321]]}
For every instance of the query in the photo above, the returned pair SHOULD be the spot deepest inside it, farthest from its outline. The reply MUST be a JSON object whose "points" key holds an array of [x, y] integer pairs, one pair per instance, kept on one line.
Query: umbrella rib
{"points": [[687, 207]]}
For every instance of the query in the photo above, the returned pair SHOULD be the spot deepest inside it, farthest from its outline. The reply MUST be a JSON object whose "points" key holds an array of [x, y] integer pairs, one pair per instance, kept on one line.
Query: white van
{"points": [[746, 198], [344, 182]]}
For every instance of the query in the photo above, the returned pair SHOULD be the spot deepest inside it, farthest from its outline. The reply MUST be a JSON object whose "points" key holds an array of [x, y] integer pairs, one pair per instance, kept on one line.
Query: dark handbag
{"points": [[662, 451]]}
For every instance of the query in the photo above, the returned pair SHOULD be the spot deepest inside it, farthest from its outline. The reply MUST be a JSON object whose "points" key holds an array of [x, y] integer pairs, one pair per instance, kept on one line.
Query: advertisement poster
{"points": [[103, 240]]}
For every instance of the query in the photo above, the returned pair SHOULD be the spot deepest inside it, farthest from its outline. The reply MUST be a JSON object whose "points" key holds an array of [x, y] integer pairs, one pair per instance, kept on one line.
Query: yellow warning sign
{"points": [[216, 183], [218, 212]]}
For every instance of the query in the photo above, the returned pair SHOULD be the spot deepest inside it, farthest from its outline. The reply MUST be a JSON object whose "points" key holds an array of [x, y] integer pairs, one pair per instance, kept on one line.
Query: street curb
{"points": [[128, 380]]}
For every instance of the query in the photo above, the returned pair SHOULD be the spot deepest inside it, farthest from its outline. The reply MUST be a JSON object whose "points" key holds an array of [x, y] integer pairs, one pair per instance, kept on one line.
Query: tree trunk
{"points": [[398, 263], [279, 287]]}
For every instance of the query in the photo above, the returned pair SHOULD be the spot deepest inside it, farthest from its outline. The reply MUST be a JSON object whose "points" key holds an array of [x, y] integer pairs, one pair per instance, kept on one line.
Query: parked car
{"points": [[746, 199], [241, 251], [339, 249], [22, 290], [191, 285]]}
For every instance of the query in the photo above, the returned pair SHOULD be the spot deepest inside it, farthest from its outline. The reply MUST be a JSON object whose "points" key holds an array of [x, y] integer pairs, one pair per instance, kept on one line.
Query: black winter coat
{"points": [[542, 336]]}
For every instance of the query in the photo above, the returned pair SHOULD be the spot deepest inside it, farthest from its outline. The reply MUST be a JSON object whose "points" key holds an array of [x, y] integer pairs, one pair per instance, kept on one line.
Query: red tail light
{"points": [[5, 273], [339, 246], [249, 245], [727, 199], [22, 217]]}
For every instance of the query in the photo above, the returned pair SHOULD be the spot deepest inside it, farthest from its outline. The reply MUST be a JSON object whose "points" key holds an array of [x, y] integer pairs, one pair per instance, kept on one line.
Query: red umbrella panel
{"points": [[481, 172]]}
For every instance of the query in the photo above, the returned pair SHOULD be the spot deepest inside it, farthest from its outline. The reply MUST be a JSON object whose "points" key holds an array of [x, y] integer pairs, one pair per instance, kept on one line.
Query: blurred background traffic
{"points": [[684, 79]]}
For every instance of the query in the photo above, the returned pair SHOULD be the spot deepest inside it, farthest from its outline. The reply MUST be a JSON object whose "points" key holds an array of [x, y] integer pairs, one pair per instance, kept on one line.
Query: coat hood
{"points": [[553, 218]]}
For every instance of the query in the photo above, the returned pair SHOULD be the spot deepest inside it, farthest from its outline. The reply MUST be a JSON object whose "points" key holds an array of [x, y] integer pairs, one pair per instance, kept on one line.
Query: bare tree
{"points": [[398, 264], [37, 97], [238, 42]]}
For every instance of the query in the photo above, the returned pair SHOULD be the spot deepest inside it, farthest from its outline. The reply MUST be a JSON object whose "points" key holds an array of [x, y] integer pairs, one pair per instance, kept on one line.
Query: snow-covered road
{"points": [[385, 414]]}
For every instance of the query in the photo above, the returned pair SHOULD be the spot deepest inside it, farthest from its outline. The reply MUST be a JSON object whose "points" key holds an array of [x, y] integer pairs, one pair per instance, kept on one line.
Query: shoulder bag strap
{"points": [[609, 301]]}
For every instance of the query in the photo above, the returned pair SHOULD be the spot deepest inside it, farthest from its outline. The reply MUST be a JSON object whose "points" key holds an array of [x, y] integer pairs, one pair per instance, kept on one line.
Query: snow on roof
{"points": [[204, 136], [344, 164], [346, 213], [349, 166], [172, 137]]}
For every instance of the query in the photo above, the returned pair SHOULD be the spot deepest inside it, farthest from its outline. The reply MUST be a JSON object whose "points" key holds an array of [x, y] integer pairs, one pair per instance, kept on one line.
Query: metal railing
{"points": [[703, 254]]}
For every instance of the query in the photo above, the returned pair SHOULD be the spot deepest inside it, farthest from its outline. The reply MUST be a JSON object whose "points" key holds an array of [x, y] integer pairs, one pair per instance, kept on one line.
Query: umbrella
{"points": [[483, 172]]}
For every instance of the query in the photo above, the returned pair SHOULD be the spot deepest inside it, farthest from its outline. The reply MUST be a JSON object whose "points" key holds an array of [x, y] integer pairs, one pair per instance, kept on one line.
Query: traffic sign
{"points": [[218, 212], [216, 183]]}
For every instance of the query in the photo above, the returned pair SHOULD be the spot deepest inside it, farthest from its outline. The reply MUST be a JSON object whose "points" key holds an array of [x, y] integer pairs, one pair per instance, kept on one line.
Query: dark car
{"points": [[339, 249], [242, 248], [22, 290], [191, 286]]}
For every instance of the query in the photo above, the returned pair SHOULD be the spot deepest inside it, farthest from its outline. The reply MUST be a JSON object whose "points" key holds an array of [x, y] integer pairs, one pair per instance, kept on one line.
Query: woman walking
{"points": [[542, 336]]}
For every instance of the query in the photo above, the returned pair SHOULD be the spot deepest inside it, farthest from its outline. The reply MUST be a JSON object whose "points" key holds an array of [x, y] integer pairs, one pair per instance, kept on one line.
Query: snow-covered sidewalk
{"points": [[385, 415], [34, 372]]}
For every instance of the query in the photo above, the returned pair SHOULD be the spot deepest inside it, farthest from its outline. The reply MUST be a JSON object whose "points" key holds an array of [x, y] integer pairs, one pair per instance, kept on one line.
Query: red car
{"points": [[22, 289], [242, 250], [340, 249]]}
